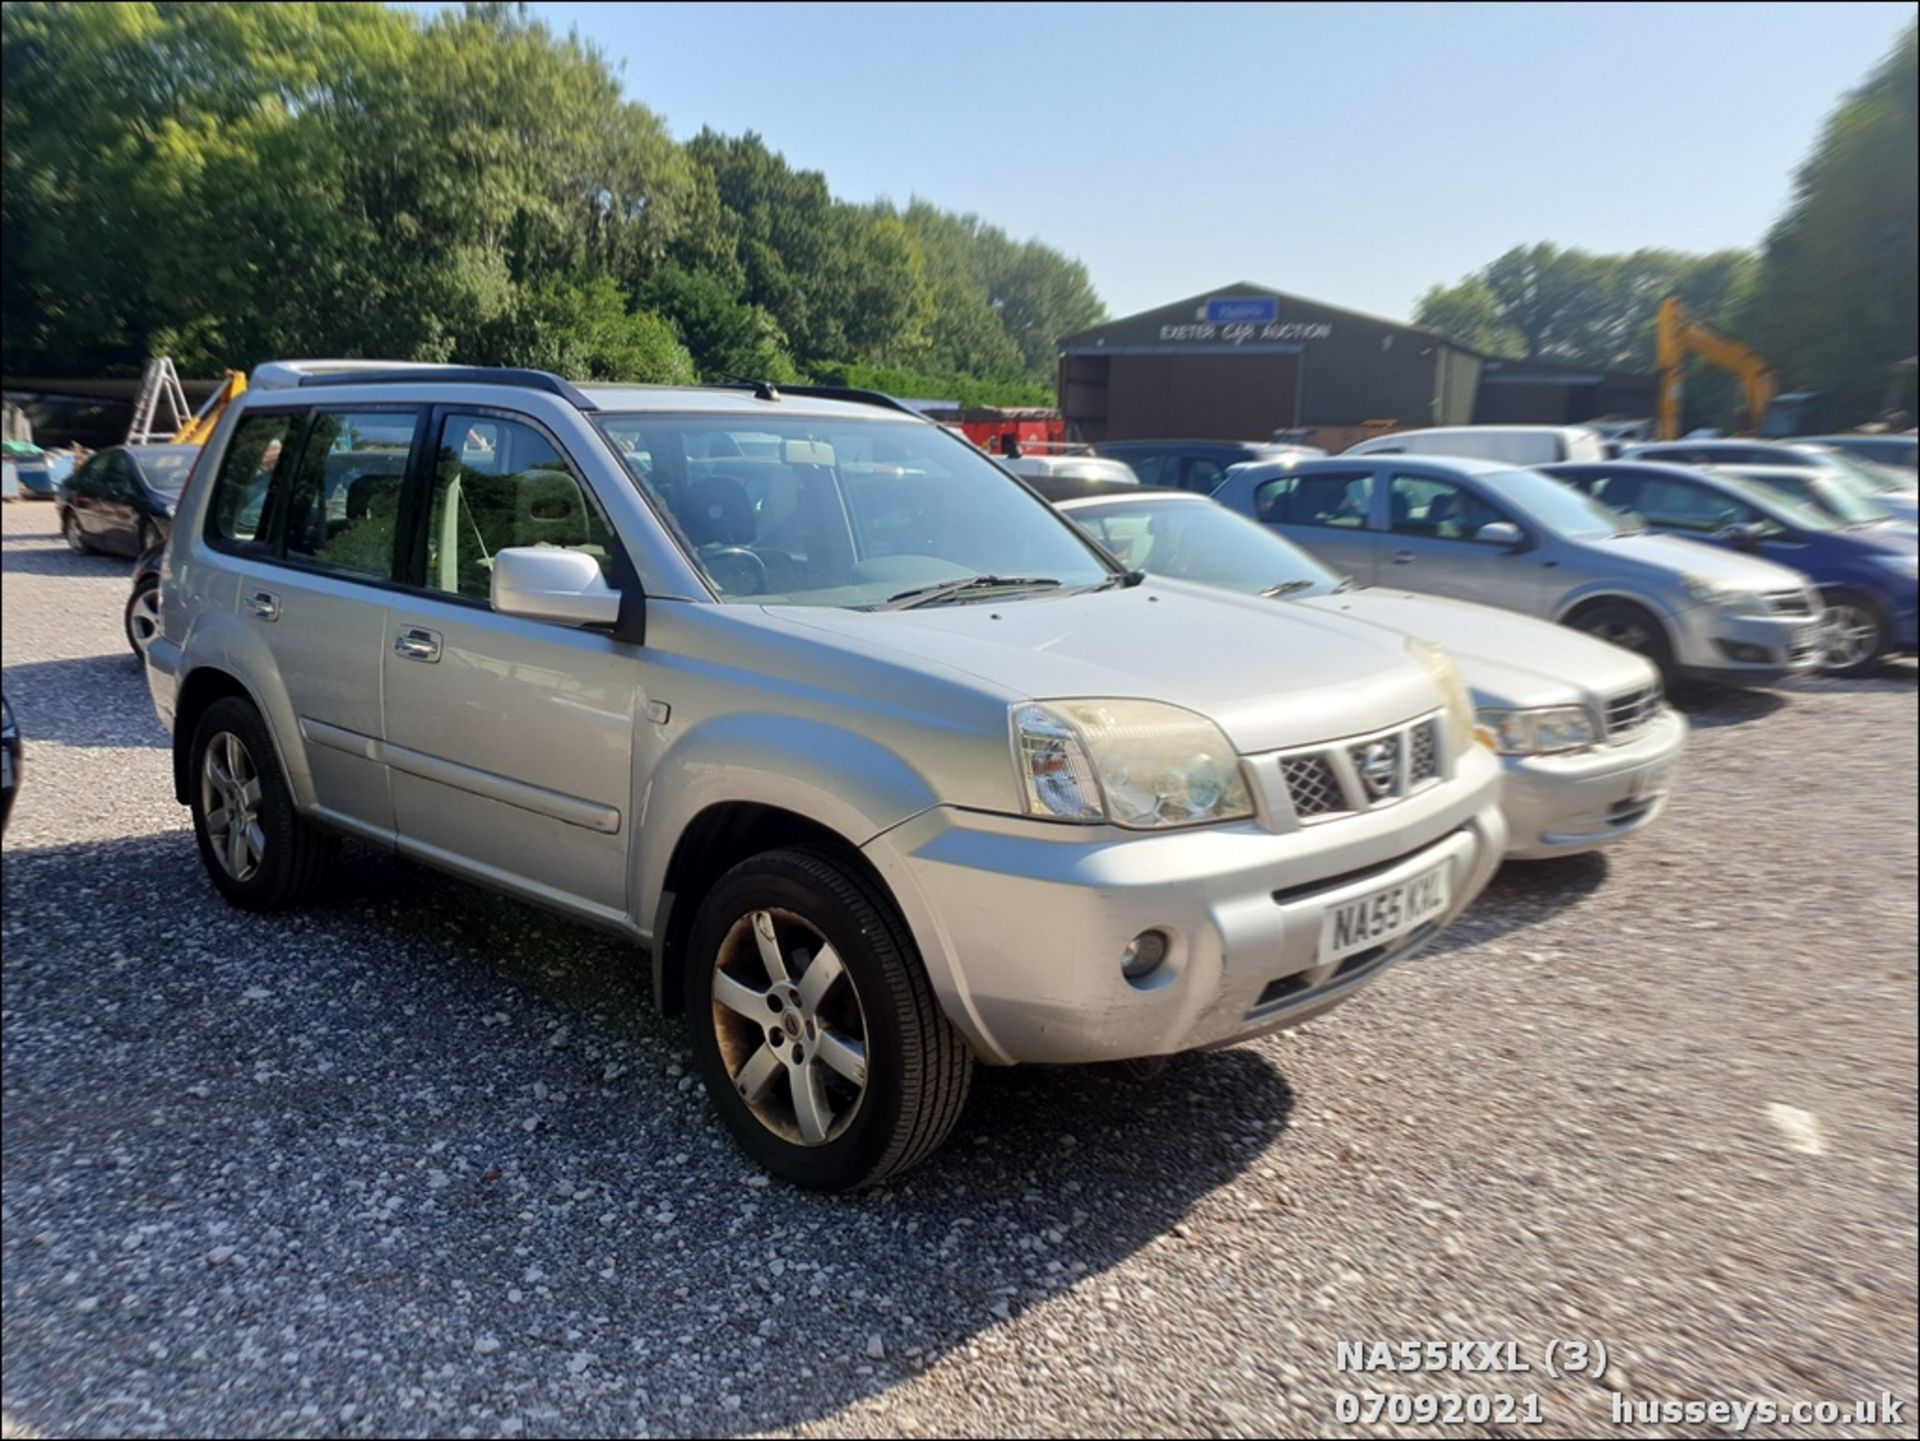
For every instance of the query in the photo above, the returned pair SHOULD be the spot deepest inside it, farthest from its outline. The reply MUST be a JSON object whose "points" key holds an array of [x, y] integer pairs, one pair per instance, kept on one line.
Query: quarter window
{"points": [[1437, 508], [241, 510], [498, 484], [343, 506]]}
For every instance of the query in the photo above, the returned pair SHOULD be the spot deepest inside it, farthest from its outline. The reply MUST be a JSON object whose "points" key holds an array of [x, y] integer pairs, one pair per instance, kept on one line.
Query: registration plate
{"points": [[1390, 912]]}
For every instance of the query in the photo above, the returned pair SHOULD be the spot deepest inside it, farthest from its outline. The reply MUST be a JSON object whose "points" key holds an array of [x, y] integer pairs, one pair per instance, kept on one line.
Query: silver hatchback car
{"points": [[888, 767], [1504, 536]]}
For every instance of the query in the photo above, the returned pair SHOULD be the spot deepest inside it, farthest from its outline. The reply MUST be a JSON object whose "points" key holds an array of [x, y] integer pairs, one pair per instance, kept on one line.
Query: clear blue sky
{"points": [[1351, 153]]}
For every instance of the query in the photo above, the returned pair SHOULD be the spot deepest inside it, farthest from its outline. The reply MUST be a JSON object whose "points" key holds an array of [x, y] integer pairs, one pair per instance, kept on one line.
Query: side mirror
{"points": [[542, 582], [1500, 532], [1748, 533]]}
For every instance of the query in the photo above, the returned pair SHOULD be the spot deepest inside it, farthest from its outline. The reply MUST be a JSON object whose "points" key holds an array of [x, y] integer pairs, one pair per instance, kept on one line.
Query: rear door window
{"points": [[343, 507], [240, 513], [1329, 498]]}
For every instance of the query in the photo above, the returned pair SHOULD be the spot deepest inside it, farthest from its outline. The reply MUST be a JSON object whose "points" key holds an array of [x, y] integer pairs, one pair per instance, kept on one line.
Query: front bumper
{"points": [[1561, 805], [1023, 923], [1712, 645]]}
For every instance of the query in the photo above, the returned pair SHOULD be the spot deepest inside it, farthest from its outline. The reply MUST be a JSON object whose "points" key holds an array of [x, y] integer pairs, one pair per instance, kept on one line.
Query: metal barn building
{"points": [[1244, 362]]}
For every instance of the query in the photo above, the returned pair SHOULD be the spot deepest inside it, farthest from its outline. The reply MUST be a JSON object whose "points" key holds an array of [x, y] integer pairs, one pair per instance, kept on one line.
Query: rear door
{"points": [[510, 741], [314, 579], [1329, 512], [1431, 545]]}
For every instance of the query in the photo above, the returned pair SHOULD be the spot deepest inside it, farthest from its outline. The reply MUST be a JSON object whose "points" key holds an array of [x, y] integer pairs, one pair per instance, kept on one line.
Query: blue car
{"points": [[1865, 572]]}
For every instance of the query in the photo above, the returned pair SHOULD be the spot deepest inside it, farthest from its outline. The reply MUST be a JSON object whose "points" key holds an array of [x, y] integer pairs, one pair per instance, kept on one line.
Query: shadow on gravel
{"points": [[37, 560], [1523, 894], [93, 700], [437, 1148], [1709, 707]]}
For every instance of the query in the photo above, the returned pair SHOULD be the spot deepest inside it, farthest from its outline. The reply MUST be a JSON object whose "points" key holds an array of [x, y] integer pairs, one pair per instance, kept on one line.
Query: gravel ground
{"points": [[423, 1161]]}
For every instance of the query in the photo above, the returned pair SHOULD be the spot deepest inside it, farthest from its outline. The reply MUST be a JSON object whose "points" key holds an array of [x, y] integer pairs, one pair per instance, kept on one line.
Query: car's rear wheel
{"points": [[1853, 634], [814, 1026], [1631, 627], [143, 614], [70, 531], [260, 853]]}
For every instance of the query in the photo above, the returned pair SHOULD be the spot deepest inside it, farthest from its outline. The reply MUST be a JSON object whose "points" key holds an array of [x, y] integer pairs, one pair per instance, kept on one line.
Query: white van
{"points": [[1514, 444]]}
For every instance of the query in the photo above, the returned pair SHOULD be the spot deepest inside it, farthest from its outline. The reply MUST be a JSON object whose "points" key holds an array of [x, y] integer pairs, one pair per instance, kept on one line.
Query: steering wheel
{"points": [[759, 566]]}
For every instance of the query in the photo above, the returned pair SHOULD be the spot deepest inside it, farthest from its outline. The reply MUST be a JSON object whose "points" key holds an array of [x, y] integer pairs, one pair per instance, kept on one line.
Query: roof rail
{"points": [[457, 375], [857, 397]]}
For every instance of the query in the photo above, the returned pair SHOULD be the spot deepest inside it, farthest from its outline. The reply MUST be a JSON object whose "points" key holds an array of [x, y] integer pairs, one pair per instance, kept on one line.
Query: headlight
{"points": [[1906, 565], [1453, 692], [1537, 732], [1726, 597], [1137, 763]]}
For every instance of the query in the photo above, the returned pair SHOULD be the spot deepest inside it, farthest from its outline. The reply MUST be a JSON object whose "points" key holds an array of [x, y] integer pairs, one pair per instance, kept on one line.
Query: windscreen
{"points": [[1782, 504], [1826, 490], [1556, 505], [851, 512], [1199, 541]]}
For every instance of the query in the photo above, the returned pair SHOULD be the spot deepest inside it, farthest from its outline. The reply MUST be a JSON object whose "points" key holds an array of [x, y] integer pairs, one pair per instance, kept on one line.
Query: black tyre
{"points": [[1631, 627], [814, 1026], [1853, 633], [260, 853], [70, 531], [142, 615]]}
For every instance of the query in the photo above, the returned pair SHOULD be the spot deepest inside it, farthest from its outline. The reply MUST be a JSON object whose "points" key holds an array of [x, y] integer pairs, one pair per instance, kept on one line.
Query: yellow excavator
{"points": [[1676, 337], [199, 430]]}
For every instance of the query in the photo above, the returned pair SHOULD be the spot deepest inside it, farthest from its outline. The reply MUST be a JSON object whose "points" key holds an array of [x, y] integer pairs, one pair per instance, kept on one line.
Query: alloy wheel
{"points": [[1848, 635], [230, 801], [1628, 635], [143, 618], [791, 1032]]}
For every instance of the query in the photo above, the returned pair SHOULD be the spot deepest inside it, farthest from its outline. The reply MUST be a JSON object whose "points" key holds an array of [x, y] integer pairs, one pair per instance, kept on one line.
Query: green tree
{"points": [[1837, 309], [1469, 313]]}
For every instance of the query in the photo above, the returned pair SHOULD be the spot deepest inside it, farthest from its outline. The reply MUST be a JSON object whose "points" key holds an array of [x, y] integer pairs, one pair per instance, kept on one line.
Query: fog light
{"points": [[1143, 955]]}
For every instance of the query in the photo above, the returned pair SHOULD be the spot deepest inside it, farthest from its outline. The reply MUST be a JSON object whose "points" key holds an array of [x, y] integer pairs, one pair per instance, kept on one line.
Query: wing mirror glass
{"points": [[1499, 532], [1747, 532], [545, 582]]}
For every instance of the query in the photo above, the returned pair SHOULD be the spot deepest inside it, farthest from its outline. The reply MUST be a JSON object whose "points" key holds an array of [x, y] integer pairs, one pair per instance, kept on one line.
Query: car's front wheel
{"points": [[1631, 627], [142, 618], [1853, 636], [814, 1025], [259, 851]]}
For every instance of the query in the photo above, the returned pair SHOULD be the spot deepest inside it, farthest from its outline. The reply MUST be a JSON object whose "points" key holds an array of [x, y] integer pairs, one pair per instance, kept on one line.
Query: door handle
{"points": [[1402, 557], [418, 643], [264, 604]]}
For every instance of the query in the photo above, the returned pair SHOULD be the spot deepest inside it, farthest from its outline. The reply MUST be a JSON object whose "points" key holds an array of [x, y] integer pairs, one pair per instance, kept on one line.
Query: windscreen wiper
{"points": [[927, 594], [1287, 587]]}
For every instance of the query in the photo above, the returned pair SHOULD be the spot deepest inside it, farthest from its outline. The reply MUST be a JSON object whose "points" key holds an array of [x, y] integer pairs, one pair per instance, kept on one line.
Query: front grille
{"points": [[1789, 602], [1424, 762], [1357, 775], [1629, 712], [1312, 786], [1376, 763]]}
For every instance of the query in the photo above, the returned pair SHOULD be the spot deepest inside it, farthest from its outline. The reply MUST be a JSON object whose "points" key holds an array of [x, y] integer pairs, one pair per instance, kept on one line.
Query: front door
{"points": [[1431, 545], [509, 741]]}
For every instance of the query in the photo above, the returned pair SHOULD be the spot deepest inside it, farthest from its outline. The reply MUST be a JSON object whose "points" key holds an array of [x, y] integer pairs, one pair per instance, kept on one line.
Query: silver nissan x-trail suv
{"points": [[888, 768]]}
